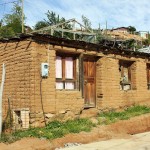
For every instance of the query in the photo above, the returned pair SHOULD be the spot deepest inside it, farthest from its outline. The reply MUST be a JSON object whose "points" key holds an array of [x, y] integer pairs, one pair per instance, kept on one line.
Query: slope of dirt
{"points": [[120, 129]]}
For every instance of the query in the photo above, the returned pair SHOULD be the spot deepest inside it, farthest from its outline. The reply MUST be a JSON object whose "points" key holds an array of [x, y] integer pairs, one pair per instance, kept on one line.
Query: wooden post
{"points": [[9, 110], [1, 94], [106, 28], [81, 75]]}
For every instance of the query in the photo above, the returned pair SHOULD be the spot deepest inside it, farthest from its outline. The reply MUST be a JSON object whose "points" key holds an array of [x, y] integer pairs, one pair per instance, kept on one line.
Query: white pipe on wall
{"points": [[1, 95]]}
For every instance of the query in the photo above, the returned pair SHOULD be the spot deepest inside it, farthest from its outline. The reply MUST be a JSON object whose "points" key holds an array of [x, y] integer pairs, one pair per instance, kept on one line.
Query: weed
{"points": [[53, 130], [111, 117], [58, 129]]}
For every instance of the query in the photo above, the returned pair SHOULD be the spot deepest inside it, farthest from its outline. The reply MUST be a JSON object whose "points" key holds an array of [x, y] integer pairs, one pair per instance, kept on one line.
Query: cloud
{"points": [[115, 12]]}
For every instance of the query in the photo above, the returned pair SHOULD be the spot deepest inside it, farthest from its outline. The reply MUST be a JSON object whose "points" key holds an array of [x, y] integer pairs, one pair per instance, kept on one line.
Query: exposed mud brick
{"points": [[25, 87]]}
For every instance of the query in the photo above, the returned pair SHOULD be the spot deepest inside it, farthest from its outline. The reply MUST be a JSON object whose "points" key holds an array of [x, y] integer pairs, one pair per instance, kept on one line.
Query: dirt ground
{"points": [[135, 142], [119, 130]]}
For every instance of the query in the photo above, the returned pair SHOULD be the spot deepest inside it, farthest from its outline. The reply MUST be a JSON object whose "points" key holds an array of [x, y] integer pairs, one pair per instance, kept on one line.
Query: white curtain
{"points": [[58, 67], [69, 68], [59, 85], [69, 85]]}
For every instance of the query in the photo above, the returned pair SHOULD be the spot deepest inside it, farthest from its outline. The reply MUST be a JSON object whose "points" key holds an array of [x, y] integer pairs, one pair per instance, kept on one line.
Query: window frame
{"points": [[148, 75], [122, 65], [64, 79]]}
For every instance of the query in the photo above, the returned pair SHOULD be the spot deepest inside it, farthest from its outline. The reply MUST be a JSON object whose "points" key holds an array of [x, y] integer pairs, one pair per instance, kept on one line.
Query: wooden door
{"points": [[89, 82]]}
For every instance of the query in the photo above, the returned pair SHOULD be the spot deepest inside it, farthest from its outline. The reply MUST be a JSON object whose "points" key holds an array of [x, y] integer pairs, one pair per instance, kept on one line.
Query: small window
{"points": [[125, 75], [21, 118], [148, 76], [65, 72]]}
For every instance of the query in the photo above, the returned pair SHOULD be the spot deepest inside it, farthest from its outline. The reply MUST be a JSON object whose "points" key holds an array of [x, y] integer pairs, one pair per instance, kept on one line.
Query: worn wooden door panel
{"points": [[89, 81]]}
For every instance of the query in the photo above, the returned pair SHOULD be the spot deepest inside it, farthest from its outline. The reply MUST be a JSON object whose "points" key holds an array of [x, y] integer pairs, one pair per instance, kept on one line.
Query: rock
{"points": [[49, 115], [94, 121], [38, 124], [59, 117], [78, 111], [36, 115], [32, 120], [62, 112], [69, 116], [88, 113], [71, 144], [102, 120]]}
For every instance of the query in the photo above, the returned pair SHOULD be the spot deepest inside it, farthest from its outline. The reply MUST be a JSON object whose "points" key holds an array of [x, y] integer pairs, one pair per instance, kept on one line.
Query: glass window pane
{"points": [[59, 85], [69, 85], [58, 67], [69, 68]]}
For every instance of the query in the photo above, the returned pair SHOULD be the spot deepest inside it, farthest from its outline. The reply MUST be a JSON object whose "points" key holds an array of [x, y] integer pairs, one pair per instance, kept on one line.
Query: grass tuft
{"points": [[58, 129], [53, 130], [111, 117]]}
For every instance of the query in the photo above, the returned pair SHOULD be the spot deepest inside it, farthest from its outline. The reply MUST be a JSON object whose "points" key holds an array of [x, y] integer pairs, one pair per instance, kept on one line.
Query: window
{"points": [[65, 72], [148, 76], [125, 75]]}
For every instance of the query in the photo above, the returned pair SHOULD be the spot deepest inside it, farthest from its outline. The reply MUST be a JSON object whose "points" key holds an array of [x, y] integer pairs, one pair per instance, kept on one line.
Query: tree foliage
{"points": [[131, 29], [40, 24], [11, 24], [53, 19], [86, 22]]}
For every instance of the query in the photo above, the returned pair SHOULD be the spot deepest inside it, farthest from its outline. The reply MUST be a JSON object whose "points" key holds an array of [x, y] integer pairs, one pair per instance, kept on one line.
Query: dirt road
{"points": [[136, 142]]}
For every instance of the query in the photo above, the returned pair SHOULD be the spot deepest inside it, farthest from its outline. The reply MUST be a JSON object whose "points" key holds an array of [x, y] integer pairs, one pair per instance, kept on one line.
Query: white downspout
{"points": [[1, 94]]}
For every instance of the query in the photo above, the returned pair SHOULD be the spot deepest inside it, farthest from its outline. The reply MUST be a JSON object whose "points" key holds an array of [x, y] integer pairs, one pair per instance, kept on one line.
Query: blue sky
{"points": [[116, 12]]}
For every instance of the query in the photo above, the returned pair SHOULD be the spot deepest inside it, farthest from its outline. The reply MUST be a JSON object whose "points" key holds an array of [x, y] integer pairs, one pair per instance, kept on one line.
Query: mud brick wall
{"points": [[26, 89], [17, 58], [54, 101], [24, 86], [109, 94]]}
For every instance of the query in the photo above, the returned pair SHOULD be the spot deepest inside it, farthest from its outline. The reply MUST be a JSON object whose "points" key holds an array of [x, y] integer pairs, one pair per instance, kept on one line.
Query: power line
{"points": [[4, 10], [4, 5], [8, 3]]}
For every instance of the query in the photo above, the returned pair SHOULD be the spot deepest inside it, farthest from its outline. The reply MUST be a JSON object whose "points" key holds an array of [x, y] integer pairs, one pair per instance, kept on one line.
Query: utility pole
{"points": [[106, 27], [99, 29], [22, 16]]}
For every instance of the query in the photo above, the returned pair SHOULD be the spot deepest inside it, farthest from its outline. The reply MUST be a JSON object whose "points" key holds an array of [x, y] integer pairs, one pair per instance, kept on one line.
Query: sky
{"points": [[116, 13]]}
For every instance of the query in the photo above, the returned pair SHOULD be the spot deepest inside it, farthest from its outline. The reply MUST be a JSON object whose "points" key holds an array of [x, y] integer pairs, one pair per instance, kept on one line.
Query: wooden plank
{"points": [[81, 77], [89, 81]]}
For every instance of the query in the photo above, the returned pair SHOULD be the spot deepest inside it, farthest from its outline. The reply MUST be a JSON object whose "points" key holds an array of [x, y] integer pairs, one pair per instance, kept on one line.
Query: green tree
{"points": [[131, 29], [40, 24], [54, 19], [11, 24], [86, 22]]}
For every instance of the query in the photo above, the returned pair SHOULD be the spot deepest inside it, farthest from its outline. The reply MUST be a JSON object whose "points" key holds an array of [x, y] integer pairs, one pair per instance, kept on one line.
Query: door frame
{"points": [[93, 58]]}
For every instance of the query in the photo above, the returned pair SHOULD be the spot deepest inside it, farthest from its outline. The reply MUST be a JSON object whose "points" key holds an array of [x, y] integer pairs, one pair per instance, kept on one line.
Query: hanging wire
{"points": [[5, 9], [8, 3]]}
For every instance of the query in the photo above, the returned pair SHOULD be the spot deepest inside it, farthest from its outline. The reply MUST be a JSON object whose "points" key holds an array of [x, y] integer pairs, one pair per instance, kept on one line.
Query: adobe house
{"points": [[80, 76], [121, 29]]}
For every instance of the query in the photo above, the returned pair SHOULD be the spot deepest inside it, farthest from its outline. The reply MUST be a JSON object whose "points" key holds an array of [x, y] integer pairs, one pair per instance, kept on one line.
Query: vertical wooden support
{"points": [[81, 74]]}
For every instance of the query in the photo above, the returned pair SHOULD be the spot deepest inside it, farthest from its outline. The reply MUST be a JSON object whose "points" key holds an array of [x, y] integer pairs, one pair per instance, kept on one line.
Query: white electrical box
{"points": [[44, 69]]}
